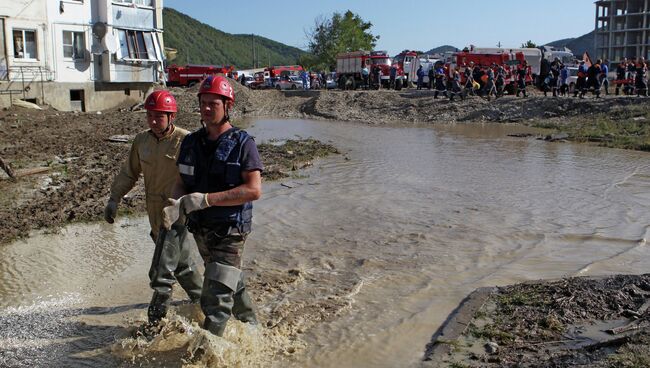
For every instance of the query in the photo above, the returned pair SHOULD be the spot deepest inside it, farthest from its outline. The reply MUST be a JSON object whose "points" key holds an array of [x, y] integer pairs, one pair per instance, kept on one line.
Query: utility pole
{"points": [[499, 44], [253, 48]]}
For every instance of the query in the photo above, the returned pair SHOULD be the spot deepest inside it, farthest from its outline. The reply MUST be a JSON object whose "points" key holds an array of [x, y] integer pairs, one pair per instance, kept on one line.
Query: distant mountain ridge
{"points": [[441, 49], [199, 43], [578, 45]]}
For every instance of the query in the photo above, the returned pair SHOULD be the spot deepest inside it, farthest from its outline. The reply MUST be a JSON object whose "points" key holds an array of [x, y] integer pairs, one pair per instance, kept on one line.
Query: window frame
{"points": [[136, 45], [24, 43], [75, 56]]}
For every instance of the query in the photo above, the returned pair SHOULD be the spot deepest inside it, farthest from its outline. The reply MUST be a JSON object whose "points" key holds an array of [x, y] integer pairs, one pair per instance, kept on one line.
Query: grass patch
{"points": [[492, 333]]}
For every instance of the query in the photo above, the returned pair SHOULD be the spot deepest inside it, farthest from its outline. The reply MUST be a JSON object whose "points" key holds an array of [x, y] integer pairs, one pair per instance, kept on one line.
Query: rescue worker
{"points": [[500, 80], [490, 86], [621, 71], [420, 75], [640, 82], [522, 73], [581, 82], [469, 79], [220, 176], [153, 154], [365, 73], [440, 83], [593, 78], [556, 66], [604, 70], [564, 79], [392, 75], [431, 75], [455, 87]]}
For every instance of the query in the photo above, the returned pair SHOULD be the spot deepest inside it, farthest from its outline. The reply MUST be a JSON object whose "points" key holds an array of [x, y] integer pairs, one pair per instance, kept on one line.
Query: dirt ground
{"points": [[574, 322]]}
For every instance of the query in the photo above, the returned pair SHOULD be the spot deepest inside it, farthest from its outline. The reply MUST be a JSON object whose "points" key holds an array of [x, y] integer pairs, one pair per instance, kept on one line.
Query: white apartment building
{"points": [[79, 54]]}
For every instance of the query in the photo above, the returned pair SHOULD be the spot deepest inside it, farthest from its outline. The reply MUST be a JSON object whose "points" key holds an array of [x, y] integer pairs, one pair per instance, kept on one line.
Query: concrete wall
{"points": [[96, 96], [26, 15]]}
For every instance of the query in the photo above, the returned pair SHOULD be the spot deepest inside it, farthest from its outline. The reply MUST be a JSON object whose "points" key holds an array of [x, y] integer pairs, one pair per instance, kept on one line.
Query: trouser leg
{"points": [[224, 289], [165, 263]]}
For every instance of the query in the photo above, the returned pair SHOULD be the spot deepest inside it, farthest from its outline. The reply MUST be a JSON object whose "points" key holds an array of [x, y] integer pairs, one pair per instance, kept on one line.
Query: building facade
{"points": [[83, 55], [622, 29]]}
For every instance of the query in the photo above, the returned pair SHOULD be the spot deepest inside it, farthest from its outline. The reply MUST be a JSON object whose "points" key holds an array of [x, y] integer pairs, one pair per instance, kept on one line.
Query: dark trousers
{"points": [[224, 288], [171, 262]]}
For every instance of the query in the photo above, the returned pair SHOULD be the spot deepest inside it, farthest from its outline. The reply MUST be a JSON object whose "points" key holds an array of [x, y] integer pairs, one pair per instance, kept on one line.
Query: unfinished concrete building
{"points": [[622, 29]]}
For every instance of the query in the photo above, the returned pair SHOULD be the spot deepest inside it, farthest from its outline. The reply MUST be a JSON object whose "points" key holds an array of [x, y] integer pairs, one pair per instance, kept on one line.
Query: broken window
{"points": [[137, 45], [73, 45], [24, 44]]}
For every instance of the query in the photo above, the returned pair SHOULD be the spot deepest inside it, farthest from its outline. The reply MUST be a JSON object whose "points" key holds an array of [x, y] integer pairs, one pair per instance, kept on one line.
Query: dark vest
{"points": [[215, 173]]}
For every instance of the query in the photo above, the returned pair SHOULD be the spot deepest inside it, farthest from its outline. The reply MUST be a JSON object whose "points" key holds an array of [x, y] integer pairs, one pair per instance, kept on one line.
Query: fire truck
{"points": [[272, 74], [189, 75], [350, 64], [409, 62], [509, 61]]}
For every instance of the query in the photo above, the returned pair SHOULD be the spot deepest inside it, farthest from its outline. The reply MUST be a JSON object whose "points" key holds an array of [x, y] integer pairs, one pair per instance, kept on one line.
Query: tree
{"points": [[529, 44], [341, 33]]}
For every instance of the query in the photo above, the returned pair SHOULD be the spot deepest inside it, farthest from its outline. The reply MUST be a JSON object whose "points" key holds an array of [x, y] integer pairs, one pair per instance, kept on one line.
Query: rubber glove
{"points": [[183, 206]]}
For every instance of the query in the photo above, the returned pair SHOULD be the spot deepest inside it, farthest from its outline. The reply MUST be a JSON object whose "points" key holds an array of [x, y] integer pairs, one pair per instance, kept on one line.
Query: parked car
{"points": [[573, 78], [248, 80], [330, 82], [289, 82]]}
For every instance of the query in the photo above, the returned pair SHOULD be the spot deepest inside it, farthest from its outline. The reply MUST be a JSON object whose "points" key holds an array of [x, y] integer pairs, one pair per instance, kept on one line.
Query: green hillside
{"points": [[199, 43]]}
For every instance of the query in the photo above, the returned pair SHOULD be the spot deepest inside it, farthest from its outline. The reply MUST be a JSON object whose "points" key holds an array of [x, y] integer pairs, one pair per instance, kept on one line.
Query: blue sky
{"points": [[407, 24]]}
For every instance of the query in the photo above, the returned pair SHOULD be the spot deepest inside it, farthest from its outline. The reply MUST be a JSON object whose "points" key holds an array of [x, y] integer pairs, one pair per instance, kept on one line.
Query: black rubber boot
{"points": [[158, 307], [216, 302], [243, 308]]}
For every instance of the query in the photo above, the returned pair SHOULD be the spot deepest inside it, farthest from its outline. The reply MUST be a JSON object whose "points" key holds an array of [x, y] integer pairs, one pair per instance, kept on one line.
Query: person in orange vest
{"points": [[581, 83]]}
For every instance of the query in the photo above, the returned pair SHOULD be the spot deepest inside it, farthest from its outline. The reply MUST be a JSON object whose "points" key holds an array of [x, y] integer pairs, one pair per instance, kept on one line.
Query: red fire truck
{"points": [[409, 62], [189, 75], [350, 64]]}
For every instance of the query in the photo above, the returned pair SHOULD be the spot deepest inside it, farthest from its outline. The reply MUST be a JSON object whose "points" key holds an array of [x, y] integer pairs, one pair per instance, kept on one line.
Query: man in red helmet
{"points": [[220, 168], [153, 154]]}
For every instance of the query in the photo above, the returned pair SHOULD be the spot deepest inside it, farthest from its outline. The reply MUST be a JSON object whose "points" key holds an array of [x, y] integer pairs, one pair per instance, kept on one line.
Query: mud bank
{"points": [[594, 322], [412, 106]]}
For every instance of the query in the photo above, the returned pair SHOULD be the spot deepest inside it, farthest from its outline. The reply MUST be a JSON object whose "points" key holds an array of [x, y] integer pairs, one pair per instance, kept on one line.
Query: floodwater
{"points": [[387, 238]]}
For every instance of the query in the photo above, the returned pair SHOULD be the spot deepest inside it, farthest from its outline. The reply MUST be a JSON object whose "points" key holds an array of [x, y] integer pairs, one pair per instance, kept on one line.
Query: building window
{"points": [[137, 45], [24, 44], [136, 2], [73, 45]]}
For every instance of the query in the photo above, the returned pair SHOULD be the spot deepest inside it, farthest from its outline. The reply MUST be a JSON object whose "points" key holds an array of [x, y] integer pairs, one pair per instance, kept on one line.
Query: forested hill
{"points": [[199, 43]]}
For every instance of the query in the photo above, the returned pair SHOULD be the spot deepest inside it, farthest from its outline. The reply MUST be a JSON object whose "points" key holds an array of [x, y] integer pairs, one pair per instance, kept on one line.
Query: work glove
{"points": [[110, 212], [183, 206]]}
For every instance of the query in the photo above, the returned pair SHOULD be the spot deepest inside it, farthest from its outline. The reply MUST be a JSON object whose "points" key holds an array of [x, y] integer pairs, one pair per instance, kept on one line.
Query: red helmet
{"points": [[160, 100], [217, 85]]}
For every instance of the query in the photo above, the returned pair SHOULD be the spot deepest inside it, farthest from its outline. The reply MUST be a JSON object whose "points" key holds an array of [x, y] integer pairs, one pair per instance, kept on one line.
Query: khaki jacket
{"points": [[156, 161]]}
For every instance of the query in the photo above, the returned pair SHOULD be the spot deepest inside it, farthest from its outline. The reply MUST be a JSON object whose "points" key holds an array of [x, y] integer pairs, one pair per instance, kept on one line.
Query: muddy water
{"points": [[386, 239]]}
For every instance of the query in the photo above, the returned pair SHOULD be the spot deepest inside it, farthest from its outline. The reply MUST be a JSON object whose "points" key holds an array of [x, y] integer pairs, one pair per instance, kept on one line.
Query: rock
{"points": [[491, 347]]}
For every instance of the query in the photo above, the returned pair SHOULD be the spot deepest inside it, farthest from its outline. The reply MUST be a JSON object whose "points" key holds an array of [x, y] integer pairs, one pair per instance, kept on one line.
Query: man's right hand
{"points": [[110, 212]]}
